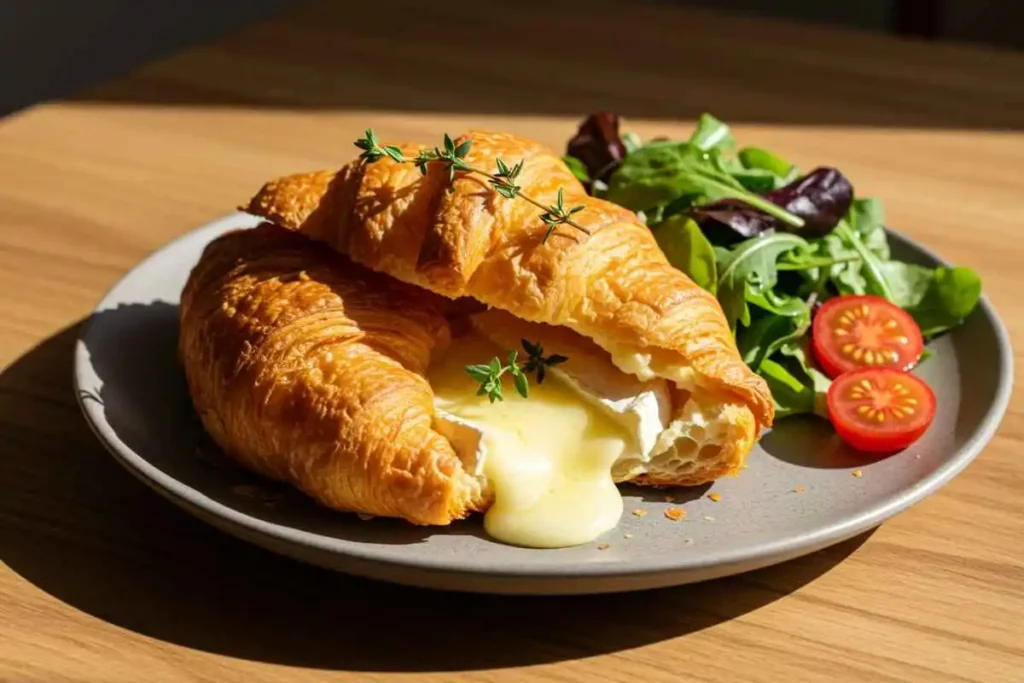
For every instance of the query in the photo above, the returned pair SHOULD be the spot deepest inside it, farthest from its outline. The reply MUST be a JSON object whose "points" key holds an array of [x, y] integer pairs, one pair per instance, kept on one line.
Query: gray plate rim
{"points": [[195, 501]]}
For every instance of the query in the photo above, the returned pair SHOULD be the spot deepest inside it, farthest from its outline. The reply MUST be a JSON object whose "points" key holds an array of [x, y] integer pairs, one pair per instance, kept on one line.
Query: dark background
{"points": [[51, 48]]}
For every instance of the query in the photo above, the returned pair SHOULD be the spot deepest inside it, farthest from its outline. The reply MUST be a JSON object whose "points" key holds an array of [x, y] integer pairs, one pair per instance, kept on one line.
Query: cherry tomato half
{"points": [[852, 332], [880, 410]]}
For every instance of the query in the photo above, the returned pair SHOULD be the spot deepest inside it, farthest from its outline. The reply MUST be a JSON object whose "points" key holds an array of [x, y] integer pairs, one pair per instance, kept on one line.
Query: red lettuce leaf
{"points": [[598, 144], [821, 198]]}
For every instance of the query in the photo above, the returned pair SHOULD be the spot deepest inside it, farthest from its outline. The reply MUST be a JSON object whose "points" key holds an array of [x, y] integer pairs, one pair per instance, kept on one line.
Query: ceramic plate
{"points": [[802, 491]]}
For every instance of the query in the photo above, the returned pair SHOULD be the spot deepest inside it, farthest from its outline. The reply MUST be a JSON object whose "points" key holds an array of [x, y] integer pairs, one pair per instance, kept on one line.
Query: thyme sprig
{"points": [[489, 375], [536, 362], [453, 157]]}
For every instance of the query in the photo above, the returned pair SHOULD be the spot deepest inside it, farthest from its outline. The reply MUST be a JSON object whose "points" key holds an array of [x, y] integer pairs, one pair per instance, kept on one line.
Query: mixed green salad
{"points": [[774, 244]]}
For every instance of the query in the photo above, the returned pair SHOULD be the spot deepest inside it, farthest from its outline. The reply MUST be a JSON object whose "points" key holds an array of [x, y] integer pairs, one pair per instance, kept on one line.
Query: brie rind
{"points": [[466, 438], [643, 410]]}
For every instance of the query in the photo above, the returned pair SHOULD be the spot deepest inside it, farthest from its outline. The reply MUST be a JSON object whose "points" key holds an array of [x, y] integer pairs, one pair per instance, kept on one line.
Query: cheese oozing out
{"points": [[548, 457]]}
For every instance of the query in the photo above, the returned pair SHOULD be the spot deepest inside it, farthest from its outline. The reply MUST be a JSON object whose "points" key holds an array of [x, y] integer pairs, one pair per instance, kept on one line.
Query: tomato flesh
{"points": [[851, 332], [880, 410]]}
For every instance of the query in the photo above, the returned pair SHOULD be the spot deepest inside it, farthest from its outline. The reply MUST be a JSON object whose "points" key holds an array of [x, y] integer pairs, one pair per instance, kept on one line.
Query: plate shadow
{"points": [[809, 441]]}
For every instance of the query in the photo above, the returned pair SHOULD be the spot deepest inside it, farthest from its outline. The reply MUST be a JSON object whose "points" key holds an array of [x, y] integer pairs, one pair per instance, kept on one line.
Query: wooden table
{"points": [[104, 581]]}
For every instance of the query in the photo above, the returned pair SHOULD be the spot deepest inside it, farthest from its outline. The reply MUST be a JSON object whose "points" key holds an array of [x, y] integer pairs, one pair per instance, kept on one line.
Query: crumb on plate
{"points": [[708, 518], [639, 512], [857, 473], [675, 514], [715, 497], [670, 499], [798, 489], [687, 541], [627, 535], [603, 546]]}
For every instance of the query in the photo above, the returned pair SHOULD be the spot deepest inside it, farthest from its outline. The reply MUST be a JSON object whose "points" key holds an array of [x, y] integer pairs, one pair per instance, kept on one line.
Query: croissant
{"points": [[613, 286], [341, 367], [307, 368]]}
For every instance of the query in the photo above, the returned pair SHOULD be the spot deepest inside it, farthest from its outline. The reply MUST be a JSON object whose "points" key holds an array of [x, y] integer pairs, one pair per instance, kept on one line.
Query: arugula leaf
{"points": [[755, 158], [837, 255], [662, 171], [711, 133], [844, 272], [768, 333], [777, 304], [797, 360], [859, 251], [792, 397], [755, 169], [951, 297], [753, 341], [868, 219], [689, 250], [757, 180], [578, 168], [871, 264], [907, 282], [938, 298], [754, 260]]}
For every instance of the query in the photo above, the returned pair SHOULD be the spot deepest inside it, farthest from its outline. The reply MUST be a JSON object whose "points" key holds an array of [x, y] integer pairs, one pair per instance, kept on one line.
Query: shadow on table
{"points": [[648, 60], [80, 528]]}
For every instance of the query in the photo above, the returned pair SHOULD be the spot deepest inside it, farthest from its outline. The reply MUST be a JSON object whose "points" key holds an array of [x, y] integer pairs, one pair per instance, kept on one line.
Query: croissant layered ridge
{"points": [[309, 369], [462, 239]]}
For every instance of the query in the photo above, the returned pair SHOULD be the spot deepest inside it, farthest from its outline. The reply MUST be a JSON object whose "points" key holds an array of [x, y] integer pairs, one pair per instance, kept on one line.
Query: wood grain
{"points": [[103, 581]]}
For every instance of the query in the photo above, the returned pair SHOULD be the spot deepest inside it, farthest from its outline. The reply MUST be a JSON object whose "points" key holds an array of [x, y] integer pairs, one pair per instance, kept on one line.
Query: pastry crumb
{"points": [[363, 516], [687, 541], [639, 512], [917, 456], [670, 499], [708, 518], [798, 489], [603, 546], [627, 535], [857, 473], [715, 497], [675, 514]]}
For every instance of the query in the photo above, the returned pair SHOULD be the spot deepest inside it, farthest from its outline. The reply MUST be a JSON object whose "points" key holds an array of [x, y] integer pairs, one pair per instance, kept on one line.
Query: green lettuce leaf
{"points": [[748, 267], [689, 250]]}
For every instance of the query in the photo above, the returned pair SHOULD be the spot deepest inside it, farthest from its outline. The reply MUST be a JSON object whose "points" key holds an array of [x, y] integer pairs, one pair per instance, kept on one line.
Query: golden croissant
{"points": [[309, 369], [345, 374]]}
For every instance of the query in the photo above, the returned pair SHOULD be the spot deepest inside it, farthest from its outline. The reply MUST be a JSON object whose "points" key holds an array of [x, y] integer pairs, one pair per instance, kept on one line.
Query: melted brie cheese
{"points": [[548, 457]]}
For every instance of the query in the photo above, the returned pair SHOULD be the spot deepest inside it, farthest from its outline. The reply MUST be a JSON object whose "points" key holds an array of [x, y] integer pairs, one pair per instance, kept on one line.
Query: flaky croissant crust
{"points": [[614, 286], [309, 369]]}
